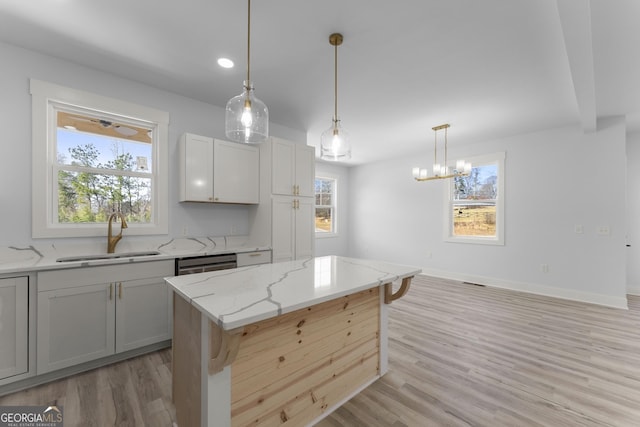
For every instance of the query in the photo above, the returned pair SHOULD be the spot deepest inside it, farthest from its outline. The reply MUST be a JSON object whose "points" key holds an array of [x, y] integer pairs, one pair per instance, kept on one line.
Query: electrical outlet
{"points": [[185, 230], [233, 230], [578, 229], [544, 268], [428, 254], [603, 230]]}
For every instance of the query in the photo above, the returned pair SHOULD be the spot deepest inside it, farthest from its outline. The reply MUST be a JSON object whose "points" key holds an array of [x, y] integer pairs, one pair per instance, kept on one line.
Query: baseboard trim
{"points": [[533, 288], [633, 290], [83, 367]]}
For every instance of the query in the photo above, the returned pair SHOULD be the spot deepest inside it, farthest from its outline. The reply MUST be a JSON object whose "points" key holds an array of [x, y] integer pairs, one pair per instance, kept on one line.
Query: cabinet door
{"points": [[236, 173], [14, 323], [254, 258], [304, 228], [143, 313], [75, 325], [305, 170], [282, 166], [282, 240], [196, 163]]}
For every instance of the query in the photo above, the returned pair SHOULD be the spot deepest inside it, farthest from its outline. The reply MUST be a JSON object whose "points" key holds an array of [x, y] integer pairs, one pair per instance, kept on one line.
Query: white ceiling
{"points": [[490, 68]]}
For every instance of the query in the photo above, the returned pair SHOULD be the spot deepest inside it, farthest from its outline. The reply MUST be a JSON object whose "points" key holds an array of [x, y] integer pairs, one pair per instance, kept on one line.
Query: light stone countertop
{"points": [[32, 258], [238, 297]]}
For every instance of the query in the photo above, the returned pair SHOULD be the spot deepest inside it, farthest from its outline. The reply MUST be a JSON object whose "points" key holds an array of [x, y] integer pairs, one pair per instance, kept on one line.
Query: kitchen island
{"points": [[280, 344]]}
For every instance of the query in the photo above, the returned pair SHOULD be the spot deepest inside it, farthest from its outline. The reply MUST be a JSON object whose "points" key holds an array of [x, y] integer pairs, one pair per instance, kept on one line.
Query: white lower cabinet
{"points": [[143, 313], [89, 313], [253, 258], [14, 326], [292, 228], [75, 325]]}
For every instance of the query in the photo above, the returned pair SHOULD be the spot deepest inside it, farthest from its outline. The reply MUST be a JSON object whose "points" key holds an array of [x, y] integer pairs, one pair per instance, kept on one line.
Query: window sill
{"points": [[476, 240], [320, 235]]}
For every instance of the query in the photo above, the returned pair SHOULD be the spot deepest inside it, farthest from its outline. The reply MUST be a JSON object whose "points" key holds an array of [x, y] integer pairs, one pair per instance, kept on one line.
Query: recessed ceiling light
{"points": [[225, 62]]}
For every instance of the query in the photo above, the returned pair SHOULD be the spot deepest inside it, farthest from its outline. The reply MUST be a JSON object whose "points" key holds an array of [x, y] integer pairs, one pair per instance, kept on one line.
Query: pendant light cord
{"points": [[335, 75], [248, 42]]}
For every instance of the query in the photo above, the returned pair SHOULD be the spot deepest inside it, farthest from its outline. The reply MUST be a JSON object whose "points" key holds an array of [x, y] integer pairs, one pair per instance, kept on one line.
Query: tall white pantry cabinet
{"points": [[284, 219]]}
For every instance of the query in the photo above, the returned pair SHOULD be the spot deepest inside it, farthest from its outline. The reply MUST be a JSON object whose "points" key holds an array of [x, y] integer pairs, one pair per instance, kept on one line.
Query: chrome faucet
{"points": [[113, 240]]}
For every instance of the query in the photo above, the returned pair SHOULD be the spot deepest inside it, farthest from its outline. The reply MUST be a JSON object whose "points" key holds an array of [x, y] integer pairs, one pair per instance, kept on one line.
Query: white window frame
{"points": [[499, 160], [334, 207], [45, 96]]}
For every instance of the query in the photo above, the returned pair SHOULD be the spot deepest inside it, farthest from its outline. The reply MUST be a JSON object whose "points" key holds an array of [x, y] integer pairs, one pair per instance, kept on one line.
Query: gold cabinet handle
{"points": [[256, 254], [120, 290], [110, 291]]}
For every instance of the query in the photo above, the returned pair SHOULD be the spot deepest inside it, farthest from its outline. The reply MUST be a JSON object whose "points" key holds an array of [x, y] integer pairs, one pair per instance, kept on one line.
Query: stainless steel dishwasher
{"points": [[200, 264]]}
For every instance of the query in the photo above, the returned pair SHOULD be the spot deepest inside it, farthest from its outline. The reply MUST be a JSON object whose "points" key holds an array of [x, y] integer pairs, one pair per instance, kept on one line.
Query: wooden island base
{"points": [[292, 369]]}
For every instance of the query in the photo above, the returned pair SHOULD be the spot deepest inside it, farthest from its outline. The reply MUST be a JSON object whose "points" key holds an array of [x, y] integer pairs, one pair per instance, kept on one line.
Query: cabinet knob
{"points": [[110, 291], [216, 199]]}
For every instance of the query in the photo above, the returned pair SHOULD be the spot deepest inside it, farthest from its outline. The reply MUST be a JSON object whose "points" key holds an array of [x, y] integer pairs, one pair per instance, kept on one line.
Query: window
{"points": [[93, 156], [325, 189], [475, 205]]}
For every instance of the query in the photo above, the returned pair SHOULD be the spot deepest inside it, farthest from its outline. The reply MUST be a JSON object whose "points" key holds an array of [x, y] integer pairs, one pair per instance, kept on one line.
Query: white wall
{"points": [[555, 179], [186, 115], [633, 214], [338, 244]]}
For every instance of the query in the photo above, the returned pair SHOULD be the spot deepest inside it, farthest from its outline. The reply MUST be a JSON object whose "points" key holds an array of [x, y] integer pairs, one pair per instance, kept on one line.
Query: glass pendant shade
{"points": [[246, 117], [335, 143]]}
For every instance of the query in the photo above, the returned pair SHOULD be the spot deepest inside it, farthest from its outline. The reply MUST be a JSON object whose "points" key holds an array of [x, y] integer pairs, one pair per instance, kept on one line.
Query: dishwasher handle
{"points": [[204, 268]]}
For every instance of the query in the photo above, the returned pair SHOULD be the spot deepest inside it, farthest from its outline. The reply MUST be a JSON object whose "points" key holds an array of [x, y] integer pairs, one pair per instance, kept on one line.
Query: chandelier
{"points": [[441, 170], [246, 117]]}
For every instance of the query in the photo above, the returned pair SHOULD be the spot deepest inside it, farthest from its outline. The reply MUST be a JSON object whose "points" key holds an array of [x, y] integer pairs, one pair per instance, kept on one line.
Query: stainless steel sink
{"points": [[107, 256]]}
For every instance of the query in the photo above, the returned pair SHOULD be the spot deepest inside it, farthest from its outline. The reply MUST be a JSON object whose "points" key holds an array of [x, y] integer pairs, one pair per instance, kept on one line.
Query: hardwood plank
{"points": [[460, 355]]}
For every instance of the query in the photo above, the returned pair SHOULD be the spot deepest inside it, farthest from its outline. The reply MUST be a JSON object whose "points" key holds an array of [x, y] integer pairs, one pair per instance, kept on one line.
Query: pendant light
{"points": [[246, 117], [335, 140]]}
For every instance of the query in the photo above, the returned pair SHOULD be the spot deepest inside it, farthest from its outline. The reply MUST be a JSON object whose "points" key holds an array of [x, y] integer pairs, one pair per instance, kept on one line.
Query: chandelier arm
{"points": [[445, 147], [435, 149]]}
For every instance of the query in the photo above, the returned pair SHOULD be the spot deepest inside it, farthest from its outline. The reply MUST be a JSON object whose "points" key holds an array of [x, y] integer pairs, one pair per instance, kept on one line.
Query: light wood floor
{"points": [[460, 355]]}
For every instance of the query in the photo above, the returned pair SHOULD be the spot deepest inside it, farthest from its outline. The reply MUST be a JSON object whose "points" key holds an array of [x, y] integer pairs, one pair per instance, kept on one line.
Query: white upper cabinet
{"points": [[293, 168], [196, 168], [217, 171], [236, 172]]}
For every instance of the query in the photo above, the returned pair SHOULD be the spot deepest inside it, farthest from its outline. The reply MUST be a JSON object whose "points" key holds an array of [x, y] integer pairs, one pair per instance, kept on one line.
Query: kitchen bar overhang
{"points": [[287, 342]]}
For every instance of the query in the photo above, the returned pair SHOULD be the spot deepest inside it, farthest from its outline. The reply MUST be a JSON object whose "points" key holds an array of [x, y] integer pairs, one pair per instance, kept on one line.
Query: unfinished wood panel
{"points": [[329, 345], [186, 364], [266, 329], [310, 405], [307, 337]]}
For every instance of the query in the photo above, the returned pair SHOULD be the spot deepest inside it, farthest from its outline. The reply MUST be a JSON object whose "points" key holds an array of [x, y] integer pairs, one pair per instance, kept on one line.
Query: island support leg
{"points": [[216, 388], [200, 347]]}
